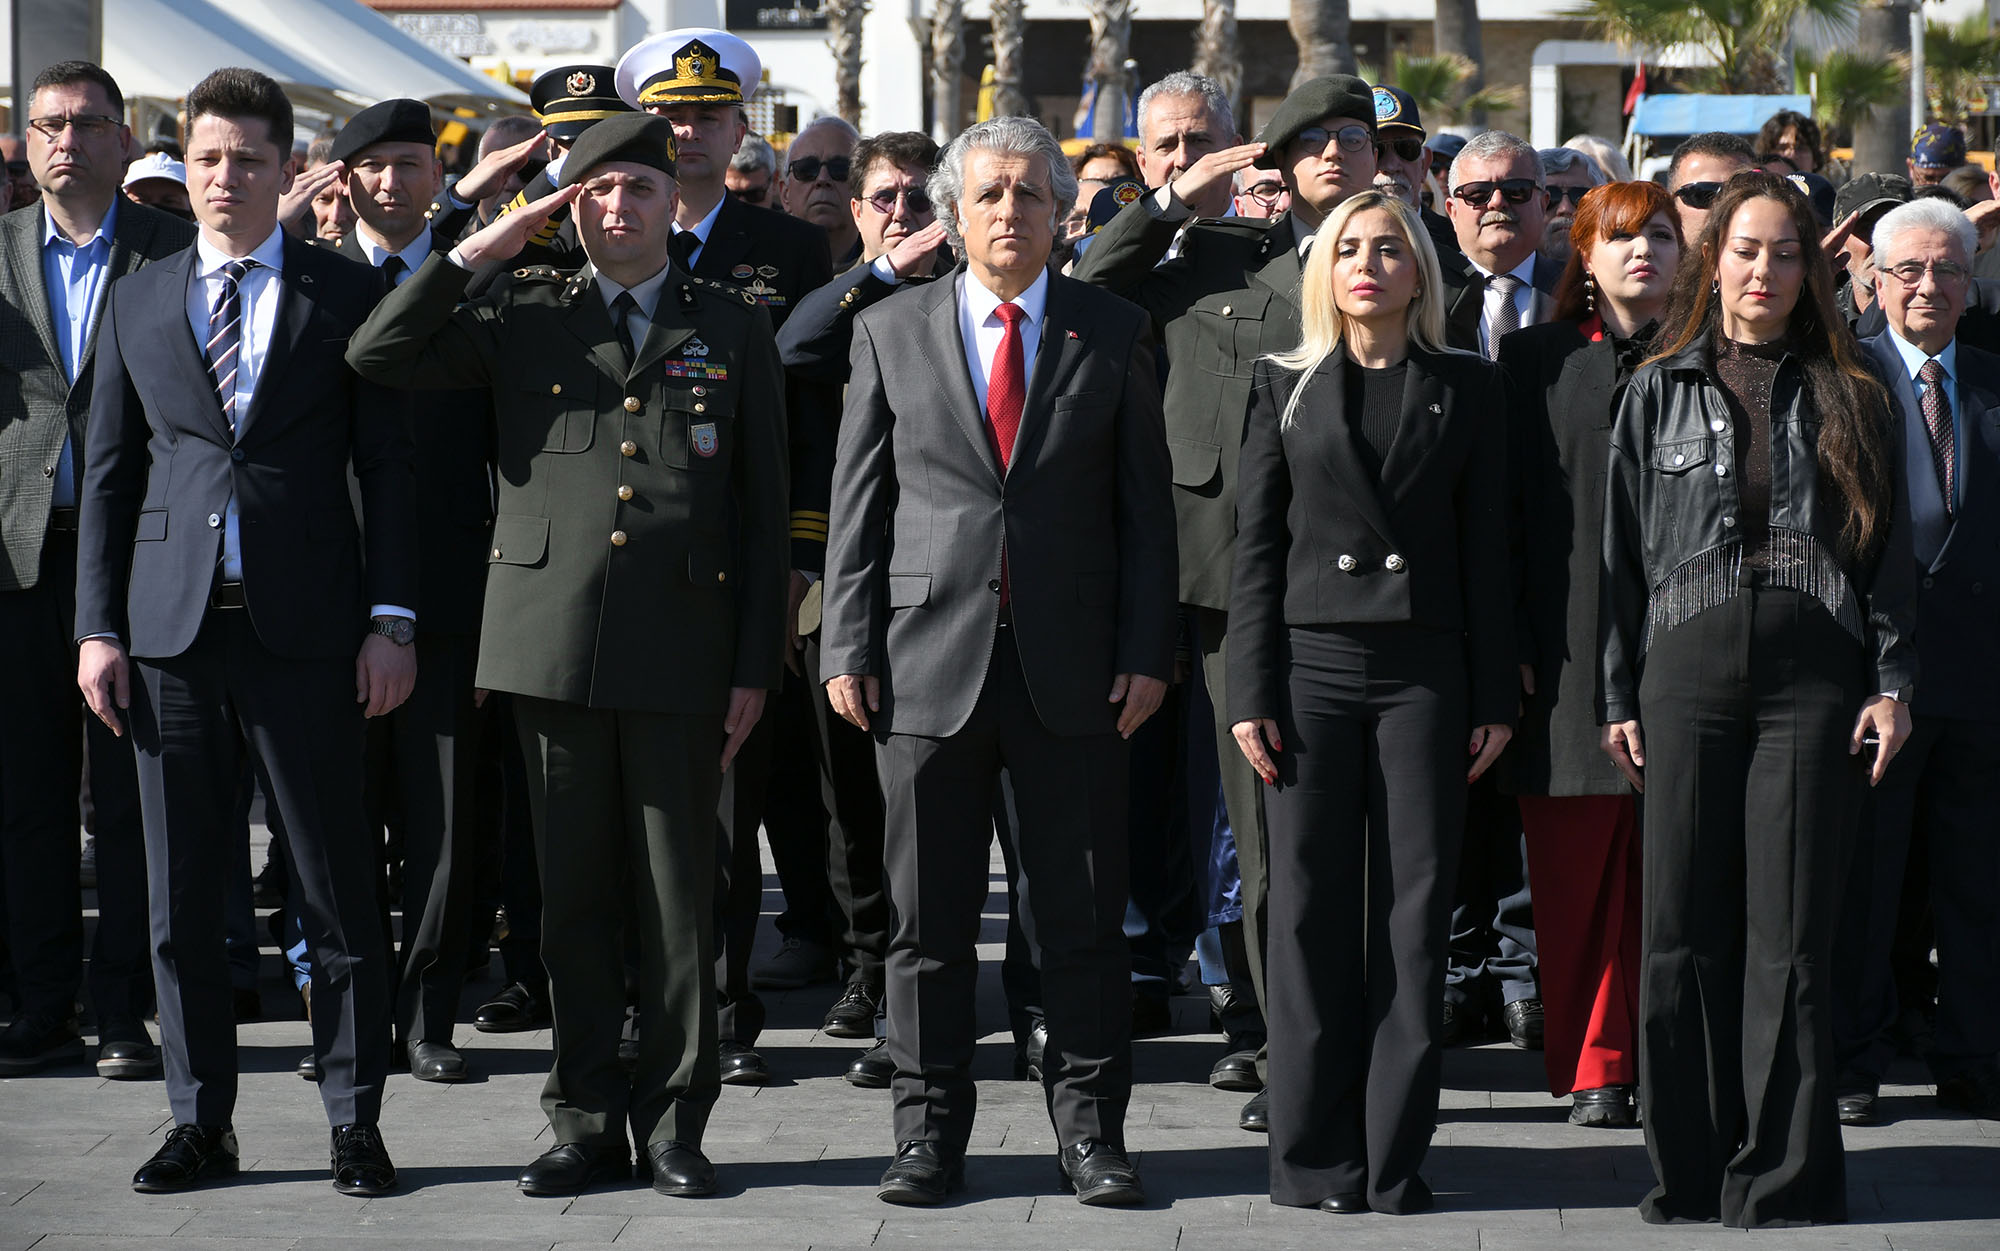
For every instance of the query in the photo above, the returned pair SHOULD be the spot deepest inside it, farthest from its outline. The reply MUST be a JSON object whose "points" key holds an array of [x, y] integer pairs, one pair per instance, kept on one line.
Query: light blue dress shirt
{"points": [[75, 276]]}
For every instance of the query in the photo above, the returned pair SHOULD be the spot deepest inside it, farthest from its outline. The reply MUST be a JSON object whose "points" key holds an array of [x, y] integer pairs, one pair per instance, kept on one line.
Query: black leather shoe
{"points": [[1974, 1089], [512, 1011], [922, 1174], [39, 1041], [1524, 1023], [309, 1066], [853, 1014], [1037, 1052], [436, 1062], [1856, 1109], [741, 1066], [126, 1053], [360, 1162], [572, 1167], [1605, 1107], [1344, 1203], [872, 1069], [1151, 1016], [680, 1170], [191, 1155], [1099, 1175], [1256, 1114], [1237, 1071], [1460, 1023]]}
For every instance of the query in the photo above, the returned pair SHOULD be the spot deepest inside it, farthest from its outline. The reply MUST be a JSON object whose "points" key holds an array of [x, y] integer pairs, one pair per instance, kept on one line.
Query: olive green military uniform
{"points": [[637, 574]]}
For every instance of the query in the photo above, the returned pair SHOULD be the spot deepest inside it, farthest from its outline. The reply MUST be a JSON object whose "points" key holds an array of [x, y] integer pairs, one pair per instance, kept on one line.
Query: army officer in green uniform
{"points": [[635, 609]]}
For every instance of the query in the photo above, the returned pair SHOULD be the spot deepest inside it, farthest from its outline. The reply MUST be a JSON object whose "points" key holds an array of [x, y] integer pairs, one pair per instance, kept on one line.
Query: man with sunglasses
{"points": [[816, 188], [20, 173], [1403, 160], [1701, 164], [752, 171], [1569, 175], [1499, 209]]}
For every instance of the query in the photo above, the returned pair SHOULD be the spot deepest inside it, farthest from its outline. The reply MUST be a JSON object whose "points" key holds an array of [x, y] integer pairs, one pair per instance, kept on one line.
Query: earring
{"points": [[1589, 293]]}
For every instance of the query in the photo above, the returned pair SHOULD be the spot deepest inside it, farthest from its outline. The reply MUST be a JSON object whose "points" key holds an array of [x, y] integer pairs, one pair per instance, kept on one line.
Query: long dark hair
{"points": [[1850, 403], [1603, 212]]}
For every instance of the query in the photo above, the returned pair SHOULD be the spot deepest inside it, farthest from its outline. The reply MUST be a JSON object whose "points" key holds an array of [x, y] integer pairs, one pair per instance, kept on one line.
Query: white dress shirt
{"points": [[1524, 297], [646, 295], [981, 329], [414, 253], [701, 230]]}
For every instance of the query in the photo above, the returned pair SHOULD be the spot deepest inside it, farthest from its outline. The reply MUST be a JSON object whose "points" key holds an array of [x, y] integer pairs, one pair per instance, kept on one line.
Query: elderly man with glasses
{"points": [[1404, 158], [819, 168]]}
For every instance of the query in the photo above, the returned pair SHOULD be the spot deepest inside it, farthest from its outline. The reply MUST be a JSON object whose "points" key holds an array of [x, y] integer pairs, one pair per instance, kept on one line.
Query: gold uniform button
{"points": [[722, 577], [496, 553], [631, 403], [624, 492], [701, 408], [629, 448], [555, 388], [617, 538], [1227, 310]]}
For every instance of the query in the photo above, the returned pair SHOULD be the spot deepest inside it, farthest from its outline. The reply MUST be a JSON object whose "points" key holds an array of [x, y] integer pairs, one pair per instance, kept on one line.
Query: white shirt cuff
{"points": [[391, 610], [881, 268]]}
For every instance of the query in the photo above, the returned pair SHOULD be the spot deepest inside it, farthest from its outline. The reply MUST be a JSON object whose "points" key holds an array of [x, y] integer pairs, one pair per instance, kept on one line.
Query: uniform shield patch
{"points": [[706, 443]]}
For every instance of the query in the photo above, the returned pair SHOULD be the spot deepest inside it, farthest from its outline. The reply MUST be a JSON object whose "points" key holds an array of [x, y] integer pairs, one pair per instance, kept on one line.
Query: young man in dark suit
{"points": [[60, 259], [227, 602], [1000, 594]]}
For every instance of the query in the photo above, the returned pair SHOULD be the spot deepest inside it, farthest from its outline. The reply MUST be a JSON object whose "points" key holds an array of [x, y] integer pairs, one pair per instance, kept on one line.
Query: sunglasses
{"points": [[1512, 190], [915, 199], [807, 168], [753, 195], [1405, 149], [1698, 195], [1315, 138], [1573, 196]]}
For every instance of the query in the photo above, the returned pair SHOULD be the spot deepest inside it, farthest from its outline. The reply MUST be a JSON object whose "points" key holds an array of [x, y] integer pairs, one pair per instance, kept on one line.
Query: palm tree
{"points": [[1882, 132], [1440, 86], [843, 39], [1956, 58], [1218, 56], [1848, 87], [1010, 25], [1455, 31], [1110, 46], [1745, 38], [947, 66], [1319, 27]]}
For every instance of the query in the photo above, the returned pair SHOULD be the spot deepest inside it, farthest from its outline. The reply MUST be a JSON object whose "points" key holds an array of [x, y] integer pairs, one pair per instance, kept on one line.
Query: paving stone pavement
{"points": [[798, 1160]]}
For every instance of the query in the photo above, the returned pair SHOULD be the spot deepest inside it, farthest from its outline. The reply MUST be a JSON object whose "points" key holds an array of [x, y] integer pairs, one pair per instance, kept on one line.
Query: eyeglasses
{"points": [[807, 168], [1405, 149], [1265, 193], [1573, 196], [1315, 138], [1512, 190], [754, 195], [1698, 195], [1911, 273], [88, 125], [914, 199]]}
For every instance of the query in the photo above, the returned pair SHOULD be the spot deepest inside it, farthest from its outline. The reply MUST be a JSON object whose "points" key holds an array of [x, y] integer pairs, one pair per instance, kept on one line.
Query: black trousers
{"points": [[1940, 788], [45, 733], [625, 801], [795, 818], [852, 795], [1750, 805], [512, 829], [193, 716], [1493, 958], [1365, 822], [1161, 920], [421, 767], [1071, 797], [741, 807]]}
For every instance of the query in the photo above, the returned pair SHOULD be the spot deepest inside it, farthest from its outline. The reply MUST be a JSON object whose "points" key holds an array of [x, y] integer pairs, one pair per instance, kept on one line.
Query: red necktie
{"points": [[1006, 391]]}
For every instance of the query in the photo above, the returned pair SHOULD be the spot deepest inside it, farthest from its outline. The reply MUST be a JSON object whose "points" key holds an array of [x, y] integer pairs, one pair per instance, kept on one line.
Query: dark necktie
{"points": [[684, 244], [1937, 420], [1006, 392], [225, 337], [393, 269], [1507, 317], [623, 310]]}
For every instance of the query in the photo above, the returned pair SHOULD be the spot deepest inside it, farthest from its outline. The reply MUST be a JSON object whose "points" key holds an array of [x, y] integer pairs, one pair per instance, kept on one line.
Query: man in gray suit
{"points": [[1000, 594], [55, 264]]}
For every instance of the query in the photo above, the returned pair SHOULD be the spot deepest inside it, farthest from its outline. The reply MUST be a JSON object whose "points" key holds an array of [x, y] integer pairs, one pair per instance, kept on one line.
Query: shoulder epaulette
{"points": [[722, 288], [545, 273]]}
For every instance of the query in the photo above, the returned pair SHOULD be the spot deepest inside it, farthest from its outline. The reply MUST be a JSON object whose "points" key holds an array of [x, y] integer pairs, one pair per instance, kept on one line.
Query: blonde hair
{"points": [[1321, 321]]}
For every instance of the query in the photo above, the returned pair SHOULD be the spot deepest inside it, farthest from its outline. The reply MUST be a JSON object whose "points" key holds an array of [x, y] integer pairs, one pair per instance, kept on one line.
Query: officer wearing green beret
{"points": [[635, 609], [1229, 296]]}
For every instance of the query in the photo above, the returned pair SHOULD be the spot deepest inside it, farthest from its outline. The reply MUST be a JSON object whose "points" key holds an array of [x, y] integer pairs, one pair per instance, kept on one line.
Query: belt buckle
{"points": [[226, 595]]}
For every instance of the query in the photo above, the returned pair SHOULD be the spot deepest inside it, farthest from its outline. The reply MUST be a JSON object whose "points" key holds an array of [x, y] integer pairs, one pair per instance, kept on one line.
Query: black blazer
{"points": [[815, 340], [1562, 390], [1978, 326], [1465, 298], [922, 512], [162, 466], [1319, 542], [1958, 596]]}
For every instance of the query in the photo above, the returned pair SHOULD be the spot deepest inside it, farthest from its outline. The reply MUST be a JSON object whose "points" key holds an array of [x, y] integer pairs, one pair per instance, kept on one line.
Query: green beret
{"points": [[1336, 95], [391, 121], [639, 138]]}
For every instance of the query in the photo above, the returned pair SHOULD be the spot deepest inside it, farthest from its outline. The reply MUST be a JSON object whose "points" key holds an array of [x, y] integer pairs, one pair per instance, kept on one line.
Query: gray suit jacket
{"points": [[921, 512], [38, 406]]}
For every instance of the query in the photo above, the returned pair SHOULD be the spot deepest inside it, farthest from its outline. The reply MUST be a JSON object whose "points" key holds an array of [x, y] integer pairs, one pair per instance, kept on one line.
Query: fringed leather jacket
{"points": [[1673, 547]]}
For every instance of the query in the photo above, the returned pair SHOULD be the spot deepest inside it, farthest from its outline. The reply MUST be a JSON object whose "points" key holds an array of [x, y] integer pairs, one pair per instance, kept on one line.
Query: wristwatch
{"points": [[398, 630]]}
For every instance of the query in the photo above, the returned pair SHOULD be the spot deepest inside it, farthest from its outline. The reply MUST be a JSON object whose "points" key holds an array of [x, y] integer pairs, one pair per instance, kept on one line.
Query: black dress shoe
{"points": [[740, 1065], [872, 1069], [309, 1066], [1856, 1109], [1099, 1175], [922, 1174], [1035, 1055], [1256, 1114], [1460, 1023], [191, 1155], [1524, 1023], [436, 1062], [1974, 1089], [360, 1162], [1151, 1016], [37, 1041], [680, 1170], [1605, 1107], [1237, 1071], [512, 1011], [853, 1014], [126, 1053], [572, 1167], [1344, 1203]]}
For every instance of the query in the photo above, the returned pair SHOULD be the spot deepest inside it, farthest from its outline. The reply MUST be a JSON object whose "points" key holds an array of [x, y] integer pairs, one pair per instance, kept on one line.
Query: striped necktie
{"points": [[225, 337], [1937, 420], [1506, 315]]}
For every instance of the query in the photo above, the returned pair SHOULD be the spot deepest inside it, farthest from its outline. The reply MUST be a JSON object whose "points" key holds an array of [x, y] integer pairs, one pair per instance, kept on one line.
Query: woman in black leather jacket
{"points": [[1748, 614]]}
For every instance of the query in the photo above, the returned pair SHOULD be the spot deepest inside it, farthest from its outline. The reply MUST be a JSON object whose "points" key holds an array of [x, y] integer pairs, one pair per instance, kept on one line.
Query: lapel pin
{"points": [[1437, 408], [305, 278], [1074, 335]]}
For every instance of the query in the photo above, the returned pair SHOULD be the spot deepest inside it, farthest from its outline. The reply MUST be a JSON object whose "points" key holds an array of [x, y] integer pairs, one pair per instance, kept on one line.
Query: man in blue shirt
{"points": [[56, 262]]}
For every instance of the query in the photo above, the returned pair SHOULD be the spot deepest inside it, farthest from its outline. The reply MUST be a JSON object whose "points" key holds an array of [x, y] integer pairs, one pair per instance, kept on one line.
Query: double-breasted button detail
{"points": [[1394, 563], [1347, 563]]}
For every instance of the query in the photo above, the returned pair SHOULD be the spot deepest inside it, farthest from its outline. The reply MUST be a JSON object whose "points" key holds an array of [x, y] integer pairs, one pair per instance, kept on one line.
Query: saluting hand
{"points": [[1258, 740], [508, 233], [295, 207], [746, 704], [854, 697], [1219, 166], [496, 167], [916, 252]]}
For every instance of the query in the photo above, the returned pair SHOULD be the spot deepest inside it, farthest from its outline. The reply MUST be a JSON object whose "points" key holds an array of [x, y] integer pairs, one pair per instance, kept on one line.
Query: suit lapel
{"points": [[1282, 267], [944, 349], [297, 296], [1422, 420], [590, 322], [1056, 358], [1980, 424], [1335, 444], [191, 354], [24, 257], [727, 244], [1597, 367]]}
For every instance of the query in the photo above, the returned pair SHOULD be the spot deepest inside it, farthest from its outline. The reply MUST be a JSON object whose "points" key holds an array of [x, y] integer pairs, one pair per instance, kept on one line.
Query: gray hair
{"points": [[1010, 136], [1563, 160], [1188, 83], [505, 132], [1492, 144], [1926, 214], [830, 122], [1605, 153], [754, 156]]}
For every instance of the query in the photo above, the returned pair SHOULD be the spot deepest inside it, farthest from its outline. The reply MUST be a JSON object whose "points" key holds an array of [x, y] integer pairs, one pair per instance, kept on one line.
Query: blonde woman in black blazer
{"points": [[1371, 678]]}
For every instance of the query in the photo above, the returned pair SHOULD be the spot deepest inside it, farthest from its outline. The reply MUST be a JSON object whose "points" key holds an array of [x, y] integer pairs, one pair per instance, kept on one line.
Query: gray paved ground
{"points": [[798, 1160]]}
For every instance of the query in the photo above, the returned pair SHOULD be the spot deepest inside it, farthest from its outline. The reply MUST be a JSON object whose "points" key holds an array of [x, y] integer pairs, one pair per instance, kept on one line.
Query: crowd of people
{"points": [[1451, 590]]}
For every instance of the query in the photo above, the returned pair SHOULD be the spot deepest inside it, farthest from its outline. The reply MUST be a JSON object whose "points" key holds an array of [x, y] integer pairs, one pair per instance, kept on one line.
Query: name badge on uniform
{"points": [[706, 442]]}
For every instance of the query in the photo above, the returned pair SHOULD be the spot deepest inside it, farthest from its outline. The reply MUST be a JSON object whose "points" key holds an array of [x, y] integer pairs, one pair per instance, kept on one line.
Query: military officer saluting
{"points": [[635, 610]]}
